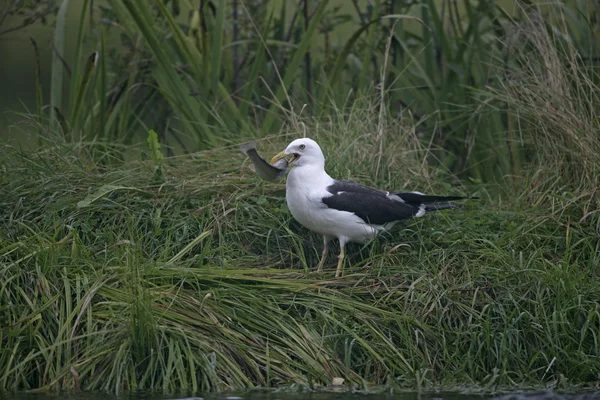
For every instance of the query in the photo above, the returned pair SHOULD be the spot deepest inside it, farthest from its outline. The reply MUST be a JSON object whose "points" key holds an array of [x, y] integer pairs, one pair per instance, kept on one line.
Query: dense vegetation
{"points": [[123, 267]]}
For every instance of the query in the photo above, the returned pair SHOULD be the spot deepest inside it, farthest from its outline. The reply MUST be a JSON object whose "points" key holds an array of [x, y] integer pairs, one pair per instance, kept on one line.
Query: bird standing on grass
{"points": [[345, 210]]}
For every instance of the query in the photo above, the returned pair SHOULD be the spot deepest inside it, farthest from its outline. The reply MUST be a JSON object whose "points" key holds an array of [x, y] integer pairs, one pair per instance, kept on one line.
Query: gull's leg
{"points": [[338, 271], [324, 254]]}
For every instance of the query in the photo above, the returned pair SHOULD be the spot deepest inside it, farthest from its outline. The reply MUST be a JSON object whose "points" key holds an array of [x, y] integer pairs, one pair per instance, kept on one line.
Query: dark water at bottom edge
{"points": [[320, 395]]}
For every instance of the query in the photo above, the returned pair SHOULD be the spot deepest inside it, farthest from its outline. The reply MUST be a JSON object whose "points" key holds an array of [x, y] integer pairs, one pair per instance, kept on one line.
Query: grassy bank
{"points": [[115, 277], [122, 268]]}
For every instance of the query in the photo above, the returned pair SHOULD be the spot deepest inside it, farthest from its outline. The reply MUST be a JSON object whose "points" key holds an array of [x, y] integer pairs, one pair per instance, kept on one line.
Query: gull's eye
{"points": [[301, 147]]}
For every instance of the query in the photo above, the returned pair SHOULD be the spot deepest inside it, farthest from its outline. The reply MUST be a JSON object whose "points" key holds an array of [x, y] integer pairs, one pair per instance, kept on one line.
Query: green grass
{"points": [[124, 267], [199, 79], [115, 278]]}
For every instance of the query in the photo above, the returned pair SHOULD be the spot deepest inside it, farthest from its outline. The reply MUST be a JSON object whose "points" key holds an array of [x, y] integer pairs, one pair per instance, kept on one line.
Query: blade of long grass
{"points": [[56, 83], [102, 90], [307, 58], [167, 76], [259, 62], [333, 75], [193, 57], [188, 247], [427, 37], [294, 65], [82, 90], [217, 37], [369, 49], [39, 99], [398, 52], [76, 79]]}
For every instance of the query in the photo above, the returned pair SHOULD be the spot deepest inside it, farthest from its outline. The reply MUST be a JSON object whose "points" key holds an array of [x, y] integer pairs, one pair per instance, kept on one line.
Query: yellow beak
{"points": [[278, 157]]}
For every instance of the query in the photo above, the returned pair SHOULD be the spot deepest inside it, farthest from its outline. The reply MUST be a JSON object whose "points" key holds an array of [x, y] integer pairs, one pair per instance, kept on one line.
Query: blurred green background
{"points": [[206, 73], [17, 68]]}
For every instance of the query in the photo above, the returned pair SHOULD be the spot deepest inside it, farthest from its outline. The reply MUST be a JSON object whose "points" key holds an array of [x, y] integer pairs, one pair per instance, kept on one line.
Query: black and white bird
{"points": [[345, 210]]}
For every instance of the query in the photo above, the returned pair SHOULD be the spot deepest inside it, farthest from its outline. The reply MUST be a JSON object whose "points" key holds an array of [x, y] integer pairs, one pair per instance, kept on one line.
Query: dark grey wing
{"points": [[371, 205]]}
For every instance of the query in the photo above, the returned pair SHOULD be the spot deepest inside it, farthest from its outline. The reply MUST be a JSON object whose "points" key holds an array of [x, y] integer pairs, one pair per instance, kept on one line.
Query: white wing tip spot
{"points": [[421, 211]]}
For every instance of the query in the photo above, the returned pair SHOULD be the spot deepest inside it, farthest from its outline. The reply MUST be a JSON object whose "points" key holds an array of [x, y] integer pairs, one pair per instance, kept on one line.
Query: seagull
{"points": [[345, 210]]}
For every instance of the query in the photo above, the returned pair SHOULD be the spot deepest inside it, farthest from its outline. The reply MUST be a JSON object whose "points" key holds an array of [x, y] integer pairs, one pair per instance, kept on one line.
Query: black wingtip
{"points": [[441, 206], [419, 198]]}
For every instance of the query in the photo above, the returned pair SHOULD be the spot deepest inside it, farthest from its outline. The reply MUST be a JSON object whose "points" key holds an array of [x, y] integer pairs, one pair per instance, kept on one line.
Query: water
{"points": [[286, 395], [245, 396], [238, 396]]}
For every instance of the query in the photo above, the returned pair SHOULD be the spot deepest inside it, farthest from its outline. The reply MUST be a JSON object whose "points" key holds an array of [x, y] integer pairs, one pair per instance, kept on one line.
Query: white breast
{"points": [[305, 188]]}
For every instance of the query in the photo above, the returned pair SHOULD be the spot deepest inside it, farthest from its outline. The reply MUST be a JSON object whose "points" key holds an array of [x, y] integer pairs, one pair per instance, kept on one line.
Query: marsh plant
{"points": [[138, 251]]}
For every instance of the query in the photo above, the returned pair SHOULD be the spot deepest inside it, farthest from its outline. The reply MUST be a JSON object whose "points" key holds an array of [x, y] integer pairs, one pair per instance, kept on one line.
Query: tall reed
{"points": [[176, 75]]}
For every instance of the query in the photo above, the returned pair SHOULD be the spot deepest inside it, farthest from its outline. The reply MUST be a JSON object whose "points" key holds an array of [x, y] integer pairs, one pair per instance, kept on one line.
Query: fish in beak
{"points": [[291, 158], [266, 171]]}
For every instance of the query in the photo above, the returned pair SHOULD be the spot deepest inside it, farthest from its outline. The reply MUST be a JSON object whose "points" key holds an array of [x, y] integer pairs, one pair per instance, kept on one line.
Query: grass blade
{"points": [[39, 99], [259, 62], [188, 247], [294, 65], [76, 79], [369, 49], [56, 84], [82, 89], [217, 37]]}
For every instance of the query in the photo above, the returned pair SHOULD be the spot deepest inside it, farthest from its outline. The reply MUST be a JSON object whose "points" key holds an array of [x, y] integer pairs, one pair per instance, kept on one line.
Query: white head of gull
{"points": [[344, 210]]}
